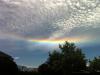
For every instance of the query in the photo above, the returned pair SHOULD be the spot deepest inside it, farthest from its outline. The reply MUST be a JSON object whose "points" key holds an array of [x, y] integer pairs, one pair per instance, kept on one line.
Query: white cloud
{"points": [[16, 58]]}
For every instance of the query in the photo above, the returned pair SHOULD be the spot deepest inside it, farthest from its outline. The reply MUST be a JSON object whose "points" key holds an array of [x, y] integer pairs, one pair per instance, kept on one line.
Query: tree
{"points": [[54, 62], [7, 65], [73, 60], [52, 66], [95, 65], [69, 59], [44, 69]]}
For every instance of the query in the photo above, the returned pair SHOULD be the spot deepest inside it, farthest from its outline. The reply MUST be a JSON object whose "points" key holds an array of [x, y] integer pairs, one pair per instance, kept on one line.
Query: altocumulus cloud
{"points": [[21, 20]]}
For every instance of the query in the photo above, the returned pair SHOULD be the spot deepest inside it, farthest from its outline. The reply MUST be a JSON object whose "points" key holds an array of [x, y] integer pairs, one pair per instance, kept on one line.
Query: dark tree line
{"points": [[7, 65], [68, 60]]}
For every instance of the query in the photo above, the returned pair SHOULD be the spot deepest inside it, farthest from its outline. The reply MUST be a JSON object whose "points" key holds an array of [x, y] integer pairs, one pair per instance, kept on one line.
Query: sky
{"points": [[29, 29]]}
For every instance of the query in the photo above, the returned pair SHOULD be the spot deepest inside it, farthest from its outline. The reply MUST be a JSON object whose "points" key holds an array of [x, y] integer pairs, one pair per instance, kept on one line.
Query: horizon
{"points": [[29, 29]]}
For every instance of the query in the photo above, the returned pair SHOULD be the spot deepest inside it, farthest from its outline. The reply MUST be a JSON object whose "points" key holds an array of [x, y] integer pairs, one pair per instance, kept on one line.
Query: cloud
{"points": [[21, 20], [16, 58], [48, 16]]}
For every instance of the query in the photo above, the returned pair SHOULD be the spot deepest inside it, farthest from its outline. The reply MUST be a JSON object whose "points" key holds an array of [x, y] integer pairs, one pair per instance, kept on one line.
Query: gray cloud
{"points": [[47, 19], [49, 16]]}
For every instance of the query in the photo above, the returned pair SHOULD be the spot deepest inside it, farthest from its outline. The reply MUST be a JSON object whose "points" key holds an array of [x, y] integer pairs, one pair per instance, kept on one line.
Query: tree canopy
{"points": [[95, 65], [7, 65], [69, 59]]}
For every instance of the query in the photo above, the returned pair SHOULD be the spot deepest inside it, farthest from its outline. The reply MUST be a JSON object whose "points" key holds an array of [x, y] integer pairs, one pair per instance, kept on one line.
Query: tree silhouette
{"points": [[44, 69], [95, 65], [73, 60], [7, 65], [69, 59], [54, 62]]}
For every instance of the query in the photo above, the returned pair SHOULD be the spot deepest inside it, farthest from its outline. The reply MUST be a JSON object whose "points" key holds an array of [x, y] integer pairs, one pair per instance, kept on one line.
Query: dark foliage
{"points": [[44, 69], [7, 65], [28, 73], [95, 65], [70, 59]]}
